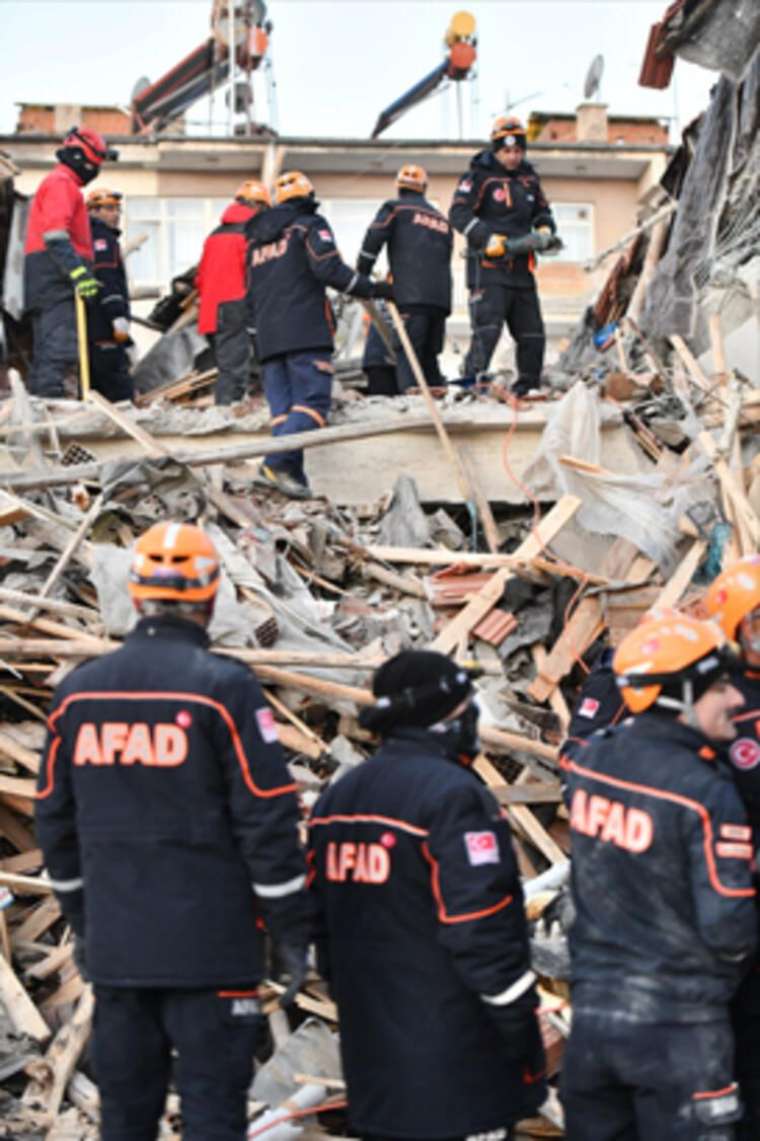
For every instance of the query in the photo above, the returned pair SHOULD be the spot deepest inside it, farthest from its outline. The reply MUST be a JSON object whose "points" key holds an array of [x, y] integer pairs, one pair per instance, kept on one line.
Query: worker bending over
{"points": [[662, 885], [168, 822], [502, 211], [421, 930], [223, 314], [292, 259], [418, 240]]}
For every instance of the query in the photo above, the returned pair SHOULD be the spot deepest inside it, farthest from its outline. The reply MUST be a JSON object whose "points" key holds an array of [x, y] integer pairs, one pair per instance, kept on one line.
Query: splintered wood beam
{"points": [[22, 1012], [478, 606]]}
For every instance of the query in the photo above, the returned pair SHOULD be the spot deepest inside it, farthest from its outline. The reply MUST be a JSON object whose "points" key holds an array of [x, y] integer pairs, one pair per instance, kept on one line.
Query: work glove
{"points": [[120, 328], [381, 291], [518, 1026], [549, 240], [84, 283], [497, 246], [292, 966], [80, 958]]}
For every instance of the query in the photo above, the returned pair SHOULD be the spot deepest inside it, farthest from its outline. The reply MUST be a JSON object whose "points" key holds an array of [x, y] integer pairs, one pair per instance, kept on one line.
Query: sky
{"points": [[338, 63]]}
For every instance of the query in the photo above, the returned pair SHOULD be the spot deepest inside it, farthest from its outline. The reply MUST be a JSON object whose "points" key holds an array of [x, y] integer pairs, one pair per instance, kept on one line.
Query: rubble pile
{"points": [[315, 595]]}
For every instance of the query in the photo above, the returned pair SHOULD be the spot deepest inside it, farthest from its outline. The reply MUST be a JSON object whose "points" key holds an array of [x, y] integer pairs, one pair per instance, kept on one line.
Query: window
{"points": [[176, 229], [575, 225], [349, 218]]}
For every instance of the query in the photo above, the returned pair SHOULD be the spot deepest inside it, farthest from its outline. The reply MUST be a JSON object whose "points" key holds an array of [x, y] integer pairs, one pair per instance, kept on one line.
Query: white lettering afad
{"points": [[268, 252], [353, 862], [135, 743], [432, 223], [611, 821]]}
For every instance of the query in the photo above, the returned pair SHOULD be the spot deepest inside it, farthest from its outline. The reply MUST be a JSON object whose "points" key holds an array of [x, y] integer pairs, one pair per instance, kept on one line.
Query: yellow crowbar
{"points": [[84, 355]]}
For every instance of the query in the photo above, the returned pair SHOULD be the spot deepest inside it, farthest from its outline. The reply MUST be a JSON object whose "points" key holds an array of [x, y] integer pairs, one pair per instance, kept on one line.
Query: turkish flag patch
{"points": [[482, 848], [267, 724], [325, 235], [589, 707], [100, 244]]}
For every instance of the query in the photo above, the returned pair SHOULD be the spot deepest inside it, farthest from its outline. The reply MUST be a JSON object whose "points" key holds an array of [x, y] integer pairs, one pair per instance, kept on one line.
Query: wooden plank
{"points": [[521, 816], [19, 753], [682, 576], [22, 1012], [40, 920], [47, 1088], [477, 608], [585, 625]]}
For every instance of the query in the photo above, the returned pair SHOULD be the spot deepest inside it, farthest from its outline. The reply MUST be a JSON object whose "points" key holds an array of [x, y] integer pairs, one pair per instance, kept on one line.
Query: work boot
{"points": [[524, 386], [276, 480]]}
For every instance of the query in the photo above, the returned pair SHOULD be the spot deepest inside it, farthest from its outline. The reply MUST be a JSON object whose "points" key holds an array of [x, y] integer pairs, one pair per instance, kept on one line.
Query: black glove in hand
{"points": [[381, 291], [518, 1025], [292, 965]]}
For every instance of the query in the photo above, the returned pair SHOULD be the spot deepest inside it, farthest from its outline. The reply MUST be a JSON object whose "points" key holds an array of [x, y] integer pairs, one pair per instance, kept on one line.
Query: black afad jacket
{"points": [[292, 257], [492, 200], [113, 299], [419, 241], [166, 814], [661, 873], [421, 932]]}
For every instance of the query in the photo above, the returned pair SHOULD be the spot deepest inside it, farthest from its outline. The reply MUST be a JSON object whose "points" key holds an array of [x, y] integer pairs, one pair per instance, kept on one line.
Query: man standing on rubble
{"points": [[419, 241], [292, 259], [108, 324], [169, 822], [58, 259], [221, 281], [502, 211], [421, 930], [733, 601], [665, 907]]}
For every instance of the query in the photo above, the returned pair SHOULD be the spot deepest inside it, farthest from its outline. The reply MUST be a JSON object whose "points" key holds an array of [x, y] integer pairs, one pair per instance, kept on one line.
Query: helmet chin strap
{"points": [[685, 706]]}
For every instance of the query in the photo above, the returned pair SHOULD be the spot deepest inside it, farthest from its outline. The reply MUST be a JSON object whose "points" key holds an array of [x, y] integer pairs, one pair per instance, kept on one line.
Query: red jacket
{"points": [[221, 273], [57, 215]]}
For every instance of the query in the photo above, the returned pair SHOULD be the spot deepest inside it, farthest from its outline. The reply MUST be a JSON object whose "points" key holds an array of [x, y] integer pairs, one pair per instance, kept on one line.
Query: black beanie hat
{"points": [[417, 688]]}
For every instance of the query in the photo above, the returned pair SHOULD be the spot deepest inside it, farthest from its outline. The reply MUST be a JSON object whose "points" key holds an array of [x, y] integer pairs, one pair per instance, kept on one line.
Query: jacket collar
{"points": [[175, 629], [423, 739], [665, 727]]}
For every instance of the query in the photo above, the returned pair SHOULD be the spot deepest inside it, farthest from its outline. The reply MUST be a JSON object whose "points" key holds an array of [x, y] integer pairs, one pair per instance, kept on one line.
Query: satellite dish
{"points": [[593, 77], [142, 85]]}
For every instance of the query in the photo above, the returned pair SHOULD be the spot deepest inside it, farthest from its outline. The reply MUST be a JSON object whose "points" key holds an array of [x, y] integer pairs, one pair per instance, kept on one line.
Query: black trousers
{"points": [[232, 352], [490, 307], [425, 328], [214, 1033], [745, 1015], [55, 352], [109, 371], [624, 1080]]}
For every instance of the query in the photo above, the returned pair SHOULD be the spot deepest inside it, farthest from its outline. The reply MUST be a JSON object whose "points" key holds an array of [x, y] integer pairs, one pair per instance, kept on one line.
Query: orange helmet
{"points": [[669, 659], [103, 197], [176, 562], [252, 192], [734, 594], [412, 177], [292, 184], [509, 131]]}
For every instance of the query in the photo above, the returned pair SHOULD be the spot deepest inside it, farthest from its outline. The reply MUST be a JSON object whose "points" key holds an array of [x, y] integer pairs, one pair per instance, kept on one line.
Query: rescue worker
{"points": [[733, 600], [221, 281], [168, 822], [419, 241], [292, 258], [599, 704], [108, 317], [58, 259], [502, 211], [421, 930], [665, 907]]}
